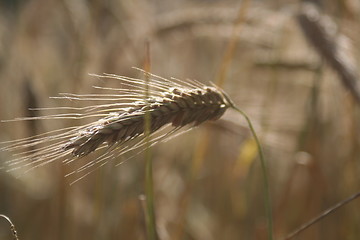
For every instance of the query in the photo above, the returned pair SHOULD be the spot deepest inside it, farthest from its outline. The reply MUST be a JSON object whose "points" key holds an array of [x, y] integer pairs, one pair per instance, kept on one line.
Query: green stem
{"points": [[149, 185], [264, 172], [149, 181], [149, 192]]}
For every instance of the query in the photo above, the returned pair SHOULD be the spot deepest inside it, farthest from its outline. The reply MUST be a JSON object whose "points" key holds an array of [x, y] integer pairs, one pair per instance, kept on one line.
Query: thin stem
{"points": [[149, 192], [322, 215], [149, 182], [264, 172]]}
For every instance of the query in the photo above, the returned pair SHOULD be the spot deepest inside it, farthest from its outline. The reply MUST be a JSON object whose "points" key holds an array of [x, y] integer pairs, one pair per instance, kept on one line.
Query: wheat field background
{"points": [[208, 182]]}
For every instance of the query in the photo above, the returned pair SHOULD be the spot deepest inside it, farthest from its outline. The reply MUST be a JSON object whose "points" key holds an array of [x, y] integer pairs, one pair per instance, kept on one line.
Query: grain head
{"points": [[173, 105]]}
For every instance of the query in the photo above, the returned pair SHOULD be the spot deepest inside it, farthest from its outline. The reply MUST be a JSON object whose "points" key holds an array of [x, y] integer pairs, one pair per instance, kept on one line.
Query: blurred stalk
{"points": [[99, 201], [202, 145], [197, 162], [149, 181], [306, 142], [61, 203], [231, 47], [310, 113], [312, 107]]}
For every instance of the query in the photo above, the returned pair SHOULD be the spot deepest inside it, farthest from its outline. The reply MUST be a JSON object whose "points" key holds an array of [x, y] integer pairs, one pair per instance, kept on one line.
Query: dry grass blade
{"points": [[120, 129], [323, 34]]}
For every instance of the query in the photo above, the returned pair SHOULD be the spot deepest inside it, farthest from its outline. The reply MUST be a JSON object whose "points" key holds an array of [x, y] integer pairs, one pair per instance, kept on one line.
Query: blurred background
{"points": [[208, 182]]}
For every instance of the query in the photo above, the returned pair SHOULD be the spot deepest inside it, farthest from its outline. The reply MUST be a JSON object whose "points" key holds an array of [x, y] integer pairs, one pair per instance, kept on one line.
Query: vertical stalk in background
{"points": [[149, 182], [203, 140], [231, 46]]}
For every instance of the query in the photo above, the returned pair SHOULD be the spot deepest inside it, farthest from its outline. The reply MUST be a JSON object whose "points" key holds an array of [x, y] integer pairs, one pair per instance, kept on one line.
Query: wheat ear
{"points": [[172, 103], [178, 106]]}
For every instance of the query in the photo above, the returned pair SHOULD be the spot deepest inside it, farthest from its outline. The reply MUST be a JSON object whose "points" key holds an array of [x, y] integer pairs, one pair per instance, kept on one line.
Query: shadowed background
{"points": [[307, 121]]}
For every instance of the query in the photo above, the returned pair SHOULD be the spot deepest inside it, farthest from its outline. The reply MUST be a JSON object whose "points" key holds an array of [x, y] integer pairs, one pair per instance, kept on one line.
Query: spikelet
{"points": [[120, 129]]}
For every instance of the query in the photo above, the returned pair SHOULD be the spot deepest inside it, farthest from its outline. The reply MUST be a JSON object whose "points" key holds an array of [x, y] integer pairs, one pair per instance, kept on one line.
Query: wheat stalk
{"points": [[120, 126]]}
